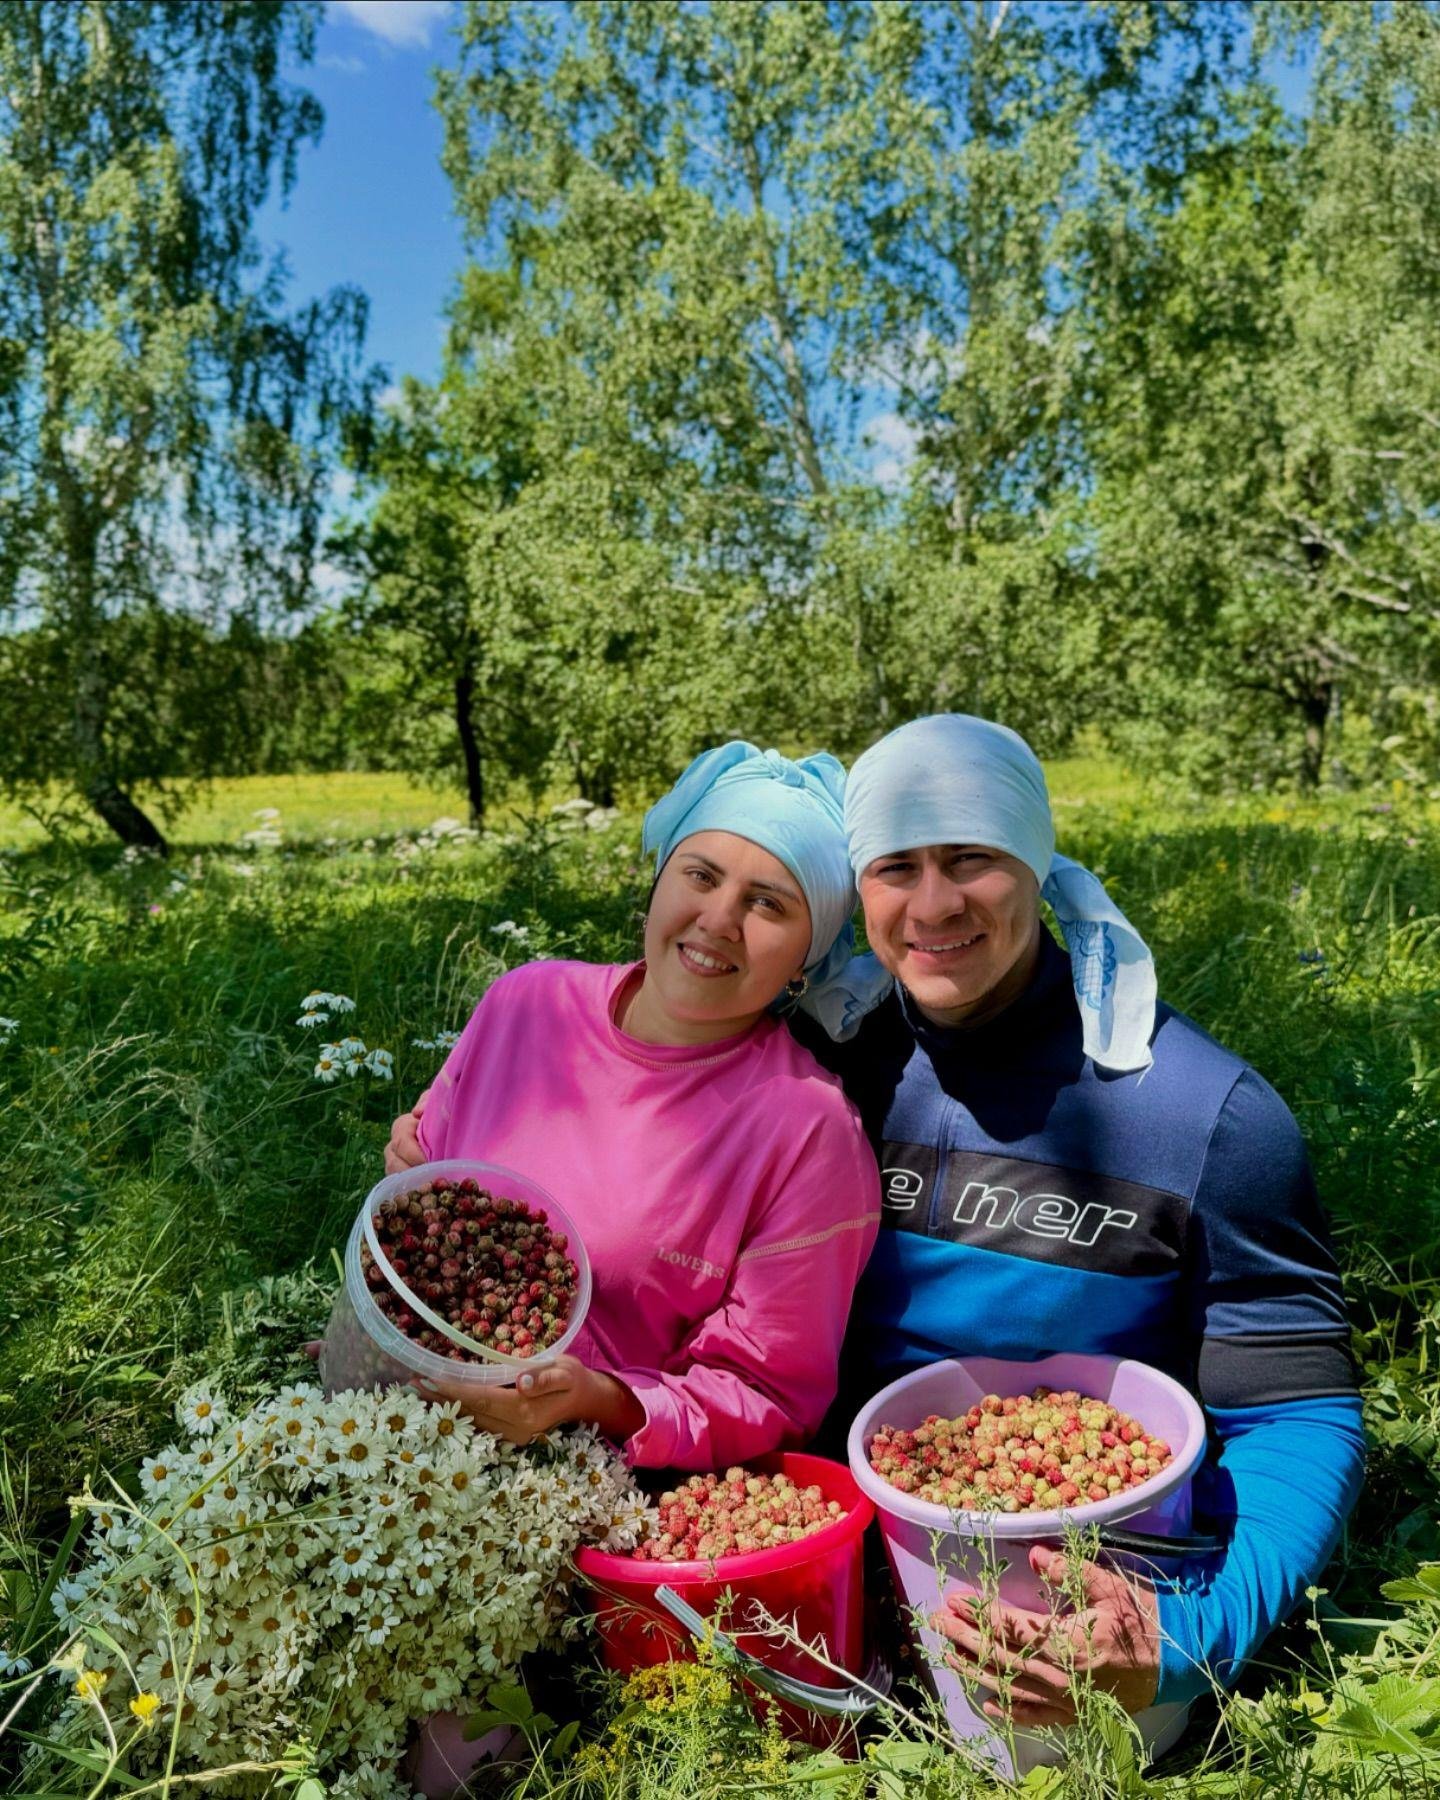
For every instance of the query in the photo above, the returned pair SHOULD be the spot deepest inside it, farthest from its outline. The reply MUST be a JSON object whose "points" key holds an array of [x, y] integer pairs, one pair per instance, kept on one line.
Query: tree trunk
{"points": [[977, 273], [94, 775], [1315, 710], [470, 747], [129, 823], [782, 330]]}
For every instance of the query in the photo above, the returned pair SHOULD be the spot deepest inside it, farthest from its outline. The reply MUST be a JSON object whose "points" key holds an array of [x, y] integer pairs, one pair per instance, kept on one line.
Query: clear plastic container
{"points": [[363, 1349]]}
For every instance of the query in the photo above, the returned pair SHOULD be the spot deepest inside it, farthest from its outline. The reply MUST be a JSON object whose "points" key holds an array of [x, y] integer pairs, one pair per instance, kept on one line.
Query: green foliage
{"points": [[173, 420], [176, 1182], [1157, 356], [1264, 436]]}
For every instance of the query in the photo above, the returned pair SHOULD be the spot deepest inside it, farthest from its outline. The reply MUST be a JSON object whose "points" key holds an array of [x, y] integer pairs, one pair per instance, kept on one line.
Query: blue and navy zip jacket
{"points": [[1034, 1203]]}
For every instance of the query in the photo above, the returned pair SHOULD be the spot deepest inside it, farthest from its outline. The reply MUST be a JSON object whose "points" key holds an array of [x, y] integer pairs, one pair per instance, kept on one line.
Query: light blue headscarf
{"points": [[954, 779], [792, 809]]}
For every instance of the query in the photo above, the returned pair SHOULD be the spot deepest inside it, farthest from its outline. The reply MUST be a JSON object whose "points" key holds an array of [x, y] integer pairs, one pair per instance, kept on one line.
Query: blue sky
{"points": [[370, 204]]}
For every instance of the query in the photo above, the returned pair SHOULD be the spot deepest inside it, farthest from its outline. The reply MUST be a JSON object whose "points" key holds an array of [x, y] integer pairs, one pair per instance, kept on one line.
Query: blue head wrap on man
{"points": [[954, 779]]}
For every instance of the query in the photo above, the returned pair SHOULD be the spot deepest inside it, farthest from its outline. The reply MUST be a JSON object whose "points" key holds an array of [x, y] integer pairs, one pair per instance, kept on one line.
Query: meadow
{"points": [[176, 1180]]}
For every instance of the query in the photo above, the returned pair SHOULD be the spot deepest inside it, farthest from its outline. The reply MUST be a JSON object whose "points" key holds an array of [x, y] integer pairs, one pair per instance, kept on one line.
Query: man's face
{"points": [[958, 925]]}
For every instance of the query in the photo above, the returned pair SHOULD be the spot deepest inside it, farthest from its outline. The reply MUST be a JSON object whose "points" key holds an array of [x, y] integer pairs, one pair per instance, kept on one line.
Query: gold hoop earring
{"points": [[795, 991]]}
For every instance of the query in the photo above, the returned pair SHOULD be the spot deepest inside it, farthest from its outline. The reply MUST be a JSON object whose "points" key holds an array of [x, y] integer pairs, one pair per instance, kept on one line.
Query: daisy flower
{"points": [[157, 1475], [376, 1623], [200, 1412]]}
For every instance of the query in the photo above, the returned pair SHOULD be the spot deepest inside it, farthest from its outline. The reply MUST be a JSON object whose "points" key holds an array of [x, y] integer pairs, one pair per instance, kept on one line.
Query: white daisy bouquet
{"points": [[323, 1572]]}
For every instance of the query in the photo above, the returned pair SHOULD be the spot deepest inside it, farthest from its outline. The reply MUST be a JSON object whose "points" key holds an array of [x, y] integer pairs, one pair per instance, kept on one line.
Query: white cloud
{"points": [[406, 24], [344, 65], [896, 440], [332, 582]]}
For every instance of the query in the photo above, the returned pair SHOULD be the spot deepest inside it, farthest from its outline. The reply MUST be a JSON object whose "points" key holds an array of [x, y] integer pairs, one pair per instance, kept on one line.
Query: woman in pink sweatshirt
{"points": [[720, 1179]]}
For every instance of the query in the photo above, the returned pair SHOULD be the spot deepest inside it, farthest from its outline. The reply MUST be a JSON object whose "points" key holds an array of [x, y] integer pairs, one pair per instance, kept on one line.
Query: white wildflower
{"points": [[508, 928], [407, 1559], [8, 1028], [573, 809], [72, 1595], [319, 1007], [442, 1040], [350, 1053], [157, 1474], [327, 1065], [200, 1411]]}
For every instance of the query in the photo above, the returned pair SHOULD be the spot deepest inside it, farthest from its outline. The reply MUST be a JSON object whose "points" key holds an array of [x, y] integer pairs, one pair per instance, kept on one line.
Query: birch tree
{"points": [[161, 421]]}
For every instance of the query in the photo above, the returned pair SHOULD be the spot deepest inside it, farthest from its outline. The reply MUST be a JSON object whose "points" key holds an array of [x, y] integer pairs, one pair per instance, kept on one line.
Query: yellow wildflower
{"points": [[145, 1707], [91, 1684]]}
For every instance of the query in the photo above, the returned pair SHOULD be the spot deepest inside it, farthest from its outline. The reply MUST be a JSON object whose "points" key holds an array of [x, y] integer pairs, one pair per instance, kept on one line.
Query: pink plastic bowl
{"points": [[934, 1552]]}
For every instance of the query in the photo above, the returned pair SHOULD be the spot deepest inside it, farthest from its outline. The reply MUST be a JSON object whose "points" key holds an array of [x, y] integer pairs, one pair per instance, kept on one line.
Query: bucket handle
{"points": [[1147, 1543], [416, 1304], [851, 1702]]}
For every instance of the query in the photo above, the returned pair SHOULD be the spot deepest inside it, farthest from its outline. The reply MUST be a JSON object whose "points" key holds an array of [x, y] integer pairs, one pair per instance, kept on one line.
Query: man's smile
{"points": [[943, 947]]}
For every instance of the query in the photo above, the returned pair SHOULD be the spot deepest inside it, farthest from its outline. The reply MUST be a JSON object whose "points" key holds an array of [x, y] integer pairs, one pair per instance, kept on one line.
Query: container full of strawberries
{"points": [[972, 1460], [462, 1271], [779, 1539]]}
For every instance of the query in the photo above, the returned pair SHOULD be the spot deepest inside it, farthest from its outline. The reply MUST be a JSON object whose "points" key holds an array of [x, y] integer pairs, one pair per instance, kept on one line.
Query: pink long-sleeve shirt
{"points": [[726, 1194]]}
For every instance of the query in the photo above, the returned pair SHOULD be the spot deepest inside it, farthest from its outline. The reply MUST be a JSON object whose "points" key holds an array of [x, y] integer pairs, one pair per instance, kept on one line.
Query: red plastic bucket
{"points": [[816, 1585]]}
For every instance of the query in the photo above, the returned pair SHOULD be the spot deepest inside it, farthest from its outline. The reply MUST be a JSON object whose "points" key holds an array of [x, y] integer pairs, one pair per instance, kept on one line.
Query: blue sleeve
{"points": [[1283, 1485], [1266, 1312], [1273, 1369]]}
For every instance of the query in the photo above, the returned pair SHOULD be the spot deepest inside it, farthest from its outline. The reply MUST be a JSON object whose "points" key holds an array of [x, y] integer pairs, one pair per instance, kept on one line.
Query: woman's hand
{"points": [[404, 1151], [563, 1392], [1114, 1640]]}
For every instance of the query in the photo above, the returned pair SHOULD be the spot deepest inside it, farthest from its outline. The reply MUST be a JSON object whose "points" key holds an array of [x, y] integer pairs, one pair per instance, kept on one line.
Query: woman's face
{"points": [[727, 927], [958, 925]]}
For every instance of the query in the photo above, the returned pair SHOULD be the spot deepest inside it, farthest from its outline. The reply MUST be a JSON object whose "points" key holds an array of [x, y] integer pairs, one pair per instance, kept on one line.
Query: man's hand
{"points": [[563, 1392], [404, 1151], [1114, 1641]]}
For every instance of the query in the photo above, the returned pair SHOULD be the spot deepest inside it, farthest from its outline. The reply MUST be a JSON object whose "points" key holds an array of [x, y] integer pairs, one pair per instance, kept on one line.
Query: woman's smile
{"points": [[705, 963]]}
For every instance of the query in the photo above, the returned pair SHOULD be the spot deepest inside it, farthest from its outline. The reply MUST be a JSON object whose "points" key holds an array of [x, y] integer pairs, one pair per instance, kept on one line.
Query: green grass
{"points": [[349, 805], [167, 1145]]}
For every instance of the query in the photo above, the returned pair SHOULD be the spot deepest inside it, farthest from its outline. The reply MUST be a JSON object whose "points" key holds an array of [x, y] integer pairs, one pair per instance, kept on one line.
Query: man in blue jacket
{"points": [[1070, 1166]]}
